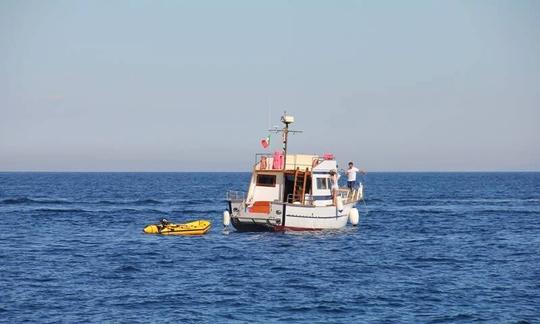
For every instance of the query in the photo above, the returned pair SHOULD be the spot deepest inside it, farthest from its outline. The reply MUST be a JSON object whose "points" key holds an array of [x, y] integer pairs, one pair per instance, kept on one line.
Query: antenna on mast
{"points": [[287, 120], [269, 113]]}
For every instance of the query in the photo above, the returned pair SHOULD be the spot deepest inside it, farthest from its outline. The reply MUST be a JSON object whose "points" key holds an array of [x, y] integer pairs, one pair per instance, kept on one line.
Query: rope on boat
{"points": [[363, 174]]}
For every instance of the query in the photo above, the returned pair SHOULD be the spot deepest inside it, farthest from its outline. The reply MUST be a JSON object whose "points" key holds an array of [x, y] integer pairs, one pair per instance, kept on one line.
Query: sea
{"points": [[429, 248]]}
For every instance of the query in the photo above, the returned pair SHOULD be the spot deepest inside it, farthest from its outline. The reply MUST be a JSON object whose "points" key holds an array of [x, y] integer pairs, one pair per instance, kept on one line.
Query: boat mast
{"points": [[285, 139], [287, 120]]}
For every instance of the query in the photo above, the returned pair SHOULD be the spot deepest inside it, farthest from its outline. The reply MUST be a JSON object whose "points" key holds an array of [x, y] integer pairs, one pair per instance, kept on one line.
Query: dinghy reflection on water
{"points": [[292, 192]]}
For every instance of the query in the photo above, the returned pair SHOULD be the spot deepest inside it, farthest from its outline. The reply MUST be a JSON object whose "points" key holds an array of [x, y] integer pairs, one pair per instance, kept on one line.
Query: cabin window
{"points": [[266, 180], [322, 183]]}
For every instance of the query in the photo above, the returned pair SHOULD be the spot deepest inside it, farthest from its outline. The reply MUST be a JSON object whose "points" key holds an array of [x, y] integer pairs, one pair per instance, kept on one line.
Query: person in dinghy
{"points": [[163, 223]]}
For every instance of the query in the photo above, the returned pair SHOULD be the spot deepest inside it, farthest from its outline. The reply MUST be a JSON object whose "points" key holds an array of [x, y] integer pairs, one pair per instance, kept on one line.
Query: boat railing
{"points": [[235, 195], [347, 195], [297, 198], [350, 196], [265, 161]]}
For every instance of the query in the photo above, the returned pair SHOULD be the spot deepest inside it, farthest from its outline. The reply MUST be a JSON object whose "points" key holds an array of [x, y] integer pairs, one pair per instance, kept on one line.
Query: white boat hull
{"points": [[283, 217]]}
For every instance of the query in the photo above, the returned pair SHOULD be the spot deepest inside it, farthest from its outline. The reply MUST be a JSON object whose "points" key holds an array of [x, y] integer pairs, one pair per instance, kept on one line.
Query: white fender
{"points": [[226, 218], [339, 203], [360, 192], [354, 216]]}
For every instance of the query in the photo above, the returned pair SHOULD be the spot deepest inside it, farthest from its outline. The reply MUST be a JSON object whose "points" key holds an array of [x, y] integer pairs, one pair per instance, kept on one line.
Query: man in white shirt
{"points": [[351, 176]]}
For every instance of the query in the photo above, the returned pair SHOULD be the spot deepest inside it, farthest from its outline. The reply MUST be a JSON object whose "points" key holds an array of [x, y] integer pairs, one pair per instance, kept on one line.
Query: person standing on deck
{"points": [[351, 176], [334, 178]]}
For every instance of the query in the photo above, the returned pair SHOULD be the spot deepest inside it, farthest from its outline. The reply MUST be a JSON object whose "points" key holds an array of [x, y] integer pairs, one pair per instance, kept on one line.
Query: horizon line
{"points": [[250, 171]]}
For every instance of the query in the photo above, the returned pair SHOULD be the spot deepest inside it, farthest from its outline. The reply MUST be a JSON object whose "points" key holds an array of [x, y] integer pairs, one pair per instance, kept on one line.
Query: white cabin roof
{"points": [[300, 161]]}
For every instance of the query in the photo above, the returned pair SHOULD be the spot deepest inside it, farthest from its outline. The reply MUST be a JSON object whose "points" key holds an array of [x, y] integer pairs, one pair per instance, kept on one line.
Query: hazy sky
{"points": [[181, 86]]}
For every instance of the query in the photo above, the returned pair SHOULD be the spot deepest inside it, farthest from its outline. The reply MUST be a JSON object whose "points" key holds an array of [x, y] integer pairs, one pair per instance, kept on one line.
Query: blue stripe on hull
{"points": [[317, 217]]}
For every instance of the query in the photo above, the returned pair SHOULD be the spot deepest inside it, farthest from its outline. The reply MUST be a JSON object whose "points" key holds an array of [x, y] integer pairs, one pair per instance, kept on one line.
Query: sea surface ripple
{"points": [[430, 247]]}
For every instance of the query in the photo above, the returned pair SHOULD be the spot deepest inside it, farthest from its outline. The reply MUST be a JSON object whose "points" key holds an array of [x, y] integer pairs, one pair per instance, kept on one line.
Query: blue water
{"points": [[433, 247]]}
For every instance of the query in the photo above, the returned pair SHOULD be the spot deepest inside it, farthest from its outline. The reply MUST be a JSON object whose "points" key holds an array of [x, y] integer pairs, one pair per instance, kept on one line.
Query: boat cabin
{"points": [[298, 179]]}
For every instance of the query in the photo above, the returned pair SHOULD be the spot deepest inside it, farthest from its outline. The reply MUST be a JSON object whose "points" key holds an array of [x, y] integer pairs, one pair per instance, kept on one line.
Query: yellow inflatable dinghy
{"points": [[198, 227]]}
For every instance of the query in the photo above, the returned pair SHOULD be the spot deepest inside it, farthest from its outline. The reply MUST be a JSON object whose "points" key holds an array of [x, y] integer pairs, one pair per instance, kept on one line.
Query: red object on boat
{"points": [[328, 156], [277, 164], [260, 207]]}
